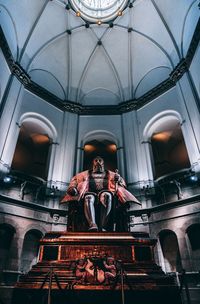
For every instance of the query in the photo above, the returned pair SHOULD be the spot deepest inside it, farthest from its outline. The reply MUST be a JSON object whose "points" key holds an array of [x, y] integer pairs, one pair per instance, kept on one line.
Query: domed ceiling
{"points": [[103, 63]]}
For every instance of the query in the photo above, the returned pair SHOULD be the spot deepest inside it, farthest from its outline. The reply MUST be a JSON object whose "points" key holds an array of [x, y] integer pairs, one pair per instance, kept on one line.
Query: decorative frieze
{"points": [[179, 70], [20, 73]]}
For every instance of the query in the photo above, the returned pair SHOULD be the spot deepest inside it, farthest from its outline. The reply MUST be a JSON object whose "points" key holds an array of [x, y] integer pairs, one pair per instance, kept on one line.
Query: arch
{"points": [[148, 75], [108, 94], [193, 241], [167, 148], [99, 135], [30, 249], [45, 124], [157, 120], [33, 150], [170, 250], [106, 149], [31, 227], [12, 223], [7, 232], [102, 143], [56, 80], [8, 227], [193, 232]]}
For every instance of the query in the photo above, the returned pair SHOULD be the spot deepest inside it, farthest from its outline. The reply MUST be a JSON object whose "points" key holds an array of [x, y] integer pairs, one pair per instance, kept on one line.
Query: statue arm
{"points": [[119, 180], [78, 184], [72, 189], [77, 187]]}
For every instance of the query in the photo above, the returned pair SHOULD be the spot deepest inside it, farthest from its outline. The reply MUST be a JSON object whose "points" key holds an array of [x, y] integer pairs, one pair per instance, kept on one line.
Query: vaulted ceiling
{"points": [[99, 64]]}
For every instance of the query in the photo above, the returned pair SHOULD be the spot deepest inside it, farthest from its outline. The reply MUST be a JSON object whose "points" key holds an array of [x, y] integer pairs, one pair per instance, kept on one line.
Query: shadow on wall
{"points": [[30, 250], [32, 151], [6, 236], [170, 251]]}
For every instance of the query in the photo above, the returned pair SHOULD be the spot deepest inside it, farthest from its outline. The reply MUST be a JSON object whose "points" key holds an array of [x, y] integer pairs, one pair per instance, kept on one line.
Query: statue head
{"points": [[98, 164]]}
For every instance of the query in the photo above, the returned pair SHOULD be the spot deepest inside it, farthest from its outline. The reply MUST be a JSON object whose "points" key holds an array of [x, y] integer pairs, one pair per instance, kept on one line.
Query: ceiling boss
{"points": [[98, 10]]}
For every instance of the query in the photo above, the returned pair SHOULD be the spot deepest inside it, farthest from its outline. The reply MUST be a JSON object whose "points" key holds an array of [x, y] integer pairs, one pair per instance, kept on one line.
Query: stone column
{"points": [[184, 252], [8, 126], [191, 122]]}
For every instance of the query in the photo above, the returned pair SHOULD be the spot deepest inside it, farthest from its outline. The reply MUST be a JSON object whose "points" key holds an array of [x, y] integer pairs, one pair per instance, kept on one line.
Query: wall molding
{"points": [[126, 106], [20, 73]]}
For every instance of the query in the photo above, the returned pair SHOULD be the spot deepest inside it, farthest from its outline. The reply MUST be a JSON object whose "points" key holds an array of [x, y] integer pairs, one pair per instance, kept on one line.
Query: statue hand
{"points": [[116, 177], [72, 191]]}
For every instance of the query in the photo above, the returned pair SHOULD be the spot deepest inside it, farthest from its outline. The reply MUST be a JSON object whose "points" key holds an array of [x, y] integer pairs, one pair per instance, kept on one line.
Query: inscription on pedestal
{"points": [[77, 252]]}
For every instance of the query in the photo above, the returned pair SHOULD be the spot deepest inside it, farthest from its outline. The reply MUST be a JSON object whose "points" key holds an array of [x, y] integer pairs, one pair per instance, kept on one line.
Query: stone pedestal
{"points": [[136, 278]]}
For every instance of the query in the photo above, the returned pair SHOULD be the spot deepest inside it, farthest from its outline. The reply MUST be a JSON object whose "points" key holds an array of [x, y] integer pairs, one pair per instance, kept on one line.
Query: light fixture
{"points": [[194, 178], [162, 136], [112, 148], [7, 179], [89, 148]]}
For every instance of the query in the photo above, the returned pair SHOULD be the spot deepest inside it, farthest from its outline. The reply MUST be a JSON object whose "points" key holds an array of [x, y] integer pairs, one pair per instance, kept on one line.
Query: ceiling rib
{"points": [[151, 40], [167, 28], [45, 45], [14, 26], [32, 30], [115, 73], [53, 77], [183, 29], [83, 75]]}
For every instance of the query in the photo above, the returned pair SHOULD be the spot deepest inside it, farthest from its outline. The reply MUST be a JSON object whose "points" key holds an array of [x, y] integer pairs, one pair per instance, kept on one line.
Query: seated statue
{"points": [[97, 189]]}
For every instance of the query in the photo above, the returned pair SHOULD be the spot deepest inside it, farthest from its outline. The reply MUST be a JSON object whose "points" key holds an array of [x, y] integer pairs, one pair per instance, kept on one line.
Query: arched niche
{"points": [[170, 251], [193, 234], [30, 249], [105, 148], [33, 148], [6, 237], [102, 144], [166, 144]]}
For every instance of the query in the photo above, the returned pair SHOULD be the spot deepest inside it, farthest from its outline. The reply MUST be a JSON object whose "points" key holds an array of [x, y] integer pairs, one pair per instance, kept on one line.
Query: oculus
{"points": [[98, 10]]}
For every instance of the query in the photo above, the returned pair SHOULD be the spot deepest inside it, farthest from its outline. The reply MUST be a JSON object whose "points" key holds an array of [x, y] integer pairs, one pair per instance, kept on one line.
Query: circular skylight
{"points": [[98, 10]]}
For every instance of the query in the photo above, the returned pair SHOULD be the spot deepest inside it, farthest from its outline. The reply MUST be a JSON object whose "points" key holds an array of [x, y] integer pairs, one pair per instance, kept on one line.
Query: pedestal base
{"points": [[94, 268]]}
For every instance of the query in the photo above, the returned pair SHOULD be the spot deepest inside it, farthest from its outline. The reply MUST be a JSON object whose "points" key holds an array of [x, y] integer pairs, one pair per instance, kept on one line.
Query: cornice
{"points": [[136, 104], [30, 205], [195, 199], [123, 107], [179, 71], [20, 73], [193, 44], [138, 212], [5, 49]]}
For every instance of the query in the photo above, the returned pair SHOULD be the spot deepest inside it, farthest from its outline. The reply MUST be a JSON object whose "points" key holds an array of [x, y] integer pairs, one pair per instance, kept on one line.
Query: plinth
{"points": [[137, 279]]}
